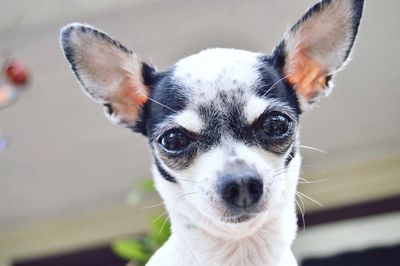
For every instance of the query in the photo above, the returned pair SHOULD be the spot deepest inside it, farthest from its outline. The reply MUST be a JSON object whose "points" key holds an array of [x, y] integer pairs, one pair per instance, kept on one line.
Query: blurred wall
{"points": [[66, 159]]}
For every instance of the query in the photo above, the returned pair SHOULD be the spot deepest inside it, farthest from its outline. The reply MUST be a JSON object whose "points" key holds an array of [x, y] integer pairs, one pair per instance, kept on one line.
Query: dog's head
{"points": [[222, 124]]}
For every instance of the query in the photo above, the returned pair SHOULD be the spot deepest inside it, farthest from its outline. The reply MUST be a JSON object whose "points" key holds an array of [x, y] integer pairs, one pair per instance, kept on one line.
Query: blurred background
{"points": [[70, 180]]}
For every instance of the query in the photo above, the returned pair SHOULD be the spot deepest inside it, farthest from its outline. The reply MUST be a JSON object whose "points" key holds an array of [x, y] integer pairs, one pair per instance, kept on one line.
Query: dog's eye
{"points": [[277, 125], [174, 140]]}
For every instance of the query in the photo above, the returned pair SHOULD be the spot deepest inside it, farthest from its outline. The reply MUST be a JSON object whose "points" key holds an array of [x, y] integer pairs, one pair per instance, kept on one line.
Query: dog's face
{"points": [[223, 123], [225, 139]]}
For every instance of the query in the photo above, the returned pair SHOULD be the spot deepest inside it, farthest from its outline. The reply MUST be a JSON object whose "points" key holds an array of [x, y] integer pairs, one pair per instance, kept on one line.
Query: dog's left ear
{"points": [[110, 73], [317, 46]]}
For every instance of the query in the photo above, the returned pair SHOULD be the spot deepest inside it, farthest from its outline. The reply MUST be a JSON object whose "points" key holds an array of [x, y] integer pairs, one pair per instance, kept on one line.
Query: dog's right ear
{"points": [[317, 46], [110, 73]]}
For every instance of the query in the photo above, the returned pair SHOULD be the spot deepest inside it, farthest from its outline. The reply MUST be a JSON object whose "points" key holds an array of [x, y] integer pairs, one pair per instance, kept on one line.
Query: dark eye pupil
{"points": [[276, 126], [174, 141]]}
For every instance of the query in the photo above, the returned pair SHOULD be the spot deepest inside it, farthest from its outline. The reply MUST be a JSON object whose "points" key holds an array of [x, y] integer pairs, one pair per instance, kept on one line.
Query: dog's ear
{"points": [[317, 46], [110, 73]]}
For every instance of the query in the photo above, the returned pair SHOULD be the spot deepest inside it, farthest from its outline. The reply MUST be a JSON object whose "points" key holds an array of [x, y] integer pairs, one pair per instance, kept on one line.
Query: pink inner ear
{"points": [[307, 75], [128, 99]]}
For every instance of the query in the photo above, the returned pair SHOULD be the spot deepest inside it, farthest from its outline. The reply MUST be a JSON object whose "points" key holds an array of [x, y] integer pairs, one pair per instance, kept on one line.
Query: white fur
{"points": [[206, 73], [255, 106], [190, 120]]}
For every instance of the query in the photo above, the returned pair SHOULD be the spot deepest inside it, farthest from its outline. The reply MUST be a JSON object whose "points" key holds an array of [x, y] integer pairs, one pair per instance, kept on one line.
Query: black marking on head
{"points": [[150, 75], [291, 155], [167, 99], [164, 91], [164, 172], [234, 117], [278, 58], [150, 78], [273, 85], [210, 115], [223, 116], [168, 93]]}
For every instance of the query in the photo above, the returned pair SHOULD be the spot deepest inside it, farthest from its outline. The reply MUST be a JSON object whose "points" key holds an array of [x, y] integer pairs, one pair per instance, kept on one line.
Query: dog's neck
{"points": [[200, 243], [269, 246]]}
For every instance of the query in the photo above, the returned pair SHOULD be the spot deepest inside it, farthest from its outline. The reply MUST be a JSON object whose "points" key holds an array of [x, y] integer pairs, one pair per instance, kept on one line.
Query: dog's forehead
{"points": [[215, 70], [217, 88]]}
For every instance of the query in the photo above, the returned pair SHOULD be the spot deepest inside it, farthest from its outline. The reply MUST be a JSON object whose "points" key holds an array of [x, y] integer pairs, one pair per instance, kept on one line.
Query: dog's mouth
{"points": [[237, 219], [235, 216]]}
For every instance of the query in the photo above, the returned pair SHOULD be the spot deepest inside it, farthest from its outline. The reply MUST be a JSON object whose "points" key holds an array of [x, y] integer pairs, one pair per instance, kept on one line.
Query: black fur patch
{"points": [[272, 85], [167, 99], [108, 108], [290, 156], [150, 78], [164, 172]]}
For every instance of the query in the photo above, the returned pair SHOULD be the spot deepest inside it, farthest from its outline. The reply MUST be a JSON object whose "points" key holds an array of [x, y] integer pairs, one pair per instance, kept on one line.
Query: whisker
{"points": [[284, 171], [276, 83], [158, 217], [163, 105], [176, 201], [312, 148], [302, 202], [284, 168], [313, 200], [302, 180], [313, 182], [181, 197], [162, 226], [152, 206]]}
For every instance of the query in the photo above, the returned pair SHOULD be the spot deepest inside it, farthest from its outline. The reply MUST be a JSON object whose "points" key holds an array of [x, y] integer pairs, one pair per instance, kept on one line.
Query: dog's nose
{"points": [[241, 191]]}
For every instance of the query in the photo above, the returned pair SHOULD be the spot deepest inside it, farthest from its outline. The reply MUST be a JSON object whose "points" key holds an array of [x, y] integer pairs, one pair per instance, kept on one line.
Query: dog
{"points": [[223, 127]]}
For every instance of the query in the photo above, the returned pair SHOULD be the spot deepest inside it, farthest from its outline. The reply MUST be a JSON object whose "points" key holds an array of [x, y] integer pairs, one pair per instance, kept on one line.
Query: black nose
{"points": [[241, 191]]}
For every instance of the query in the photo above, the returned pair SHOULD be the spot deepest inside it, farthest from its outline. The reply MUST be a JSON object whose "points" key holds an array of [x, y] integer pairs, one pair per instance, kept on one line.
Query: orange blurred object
{"points": [[16, 72]]}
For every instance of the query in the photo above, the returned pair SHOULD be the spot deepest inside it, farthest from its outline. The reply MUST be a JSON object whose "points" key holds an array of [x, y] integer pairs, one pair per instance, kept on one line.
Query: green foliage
{"points": [[147, 185], [160, 231], [140, 249], [132, 250]]}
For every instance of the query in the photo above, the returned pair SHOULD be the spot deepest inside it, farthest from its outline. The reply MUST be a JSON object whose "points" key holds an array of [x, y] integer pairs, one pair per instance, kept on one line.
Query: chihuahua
{"points": [[223, 127]]}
